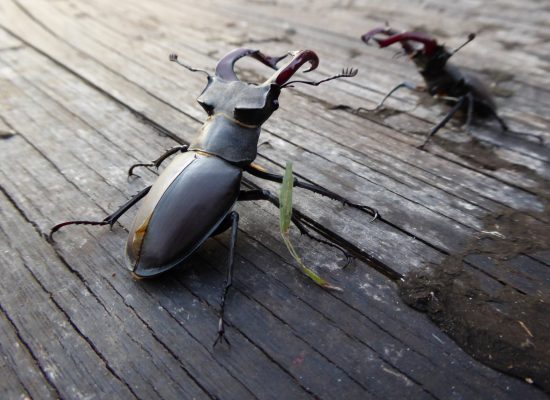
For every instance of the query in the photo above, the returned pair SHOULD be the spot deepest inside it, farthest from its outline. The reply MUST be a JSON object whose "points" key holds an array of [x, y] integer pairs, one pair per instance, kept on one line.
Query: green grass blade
{"points": [[285, 210], [285, 199]]}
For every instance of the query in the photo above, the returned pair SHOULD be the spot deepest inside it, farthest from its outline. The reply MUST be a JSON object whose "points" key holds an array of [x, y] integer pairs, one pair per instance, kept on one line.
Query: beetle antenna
{"points": [[346, 73], [471, 37], [174, 57]]}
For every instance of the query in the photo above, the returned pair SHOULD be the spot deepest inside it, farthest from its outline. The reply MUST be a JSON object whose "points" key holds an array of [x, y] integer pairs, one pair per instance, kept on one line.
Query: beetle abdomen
{"points": [[185, 205]]}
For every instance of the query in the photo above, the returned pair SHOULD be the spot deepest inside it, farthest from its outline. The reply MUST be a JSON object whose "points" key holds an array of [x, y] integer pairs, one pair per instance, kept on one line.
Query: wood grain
{"points": [[87, 90]]}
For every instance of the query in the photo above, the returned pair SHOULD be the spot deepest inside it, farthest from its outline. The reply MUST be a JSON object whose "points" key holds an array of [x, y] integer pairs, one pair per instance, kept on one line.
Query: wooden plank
{"points": [[63, 353], [21, 375], [8, 42], [401, 216], [189, 347], [325, 369], [186, 34], [58, 113], [109, 93], [514, 176]]}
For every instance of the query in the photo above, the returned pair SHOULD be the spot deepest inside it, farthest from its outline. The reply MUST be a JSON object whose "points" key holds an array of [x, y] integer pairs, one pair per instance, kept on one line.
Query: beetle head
{"points": [[433, 62], [248, 103], [427, 54], [252, 104]]}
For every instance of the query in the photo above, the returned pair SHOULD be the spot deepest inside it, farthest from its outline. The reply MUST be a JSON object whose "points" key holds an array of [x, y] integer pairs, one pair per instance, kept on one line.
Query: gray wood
{"points": [[88, 90]]}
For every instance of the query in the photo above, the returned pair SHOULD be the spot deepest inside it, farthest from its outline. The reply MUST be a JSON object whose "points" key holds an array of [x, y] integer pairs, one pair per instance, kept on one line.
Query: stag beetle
{"points": [[193, 198], [443, 80]]}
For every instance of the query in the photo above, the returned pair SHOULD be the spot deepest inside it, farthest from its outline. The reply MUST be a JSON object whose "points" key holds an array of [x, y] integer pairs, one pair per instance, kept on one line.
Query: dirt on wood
{"points": [[507, 329]]}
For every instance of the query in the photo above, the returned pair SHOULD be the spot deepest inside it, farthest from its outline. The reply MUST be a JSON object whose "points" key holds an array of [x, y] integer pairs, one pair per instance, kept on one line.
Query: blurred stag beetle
{"points": [[193, 198], [443, 80]]}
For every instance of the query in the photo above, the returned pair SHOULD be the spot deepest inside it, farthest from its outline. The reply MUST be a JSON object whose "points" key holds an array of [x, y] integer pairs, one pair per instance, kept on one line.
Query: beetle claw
{"points": [[221, 339], [131, 169], [375, 214], [349, 259]]}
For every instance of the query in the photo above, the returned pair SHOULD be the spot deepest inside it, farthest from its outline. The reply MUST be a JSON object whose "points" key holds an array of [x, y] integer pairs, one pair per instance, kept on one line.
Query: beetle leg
{"points": [[234, 217], [408, 85], [110, 219], [346, 73], [470, 112], [259, 194], [313, 188], [506, 129], [156, 163], [503, 124], [444, 121]]}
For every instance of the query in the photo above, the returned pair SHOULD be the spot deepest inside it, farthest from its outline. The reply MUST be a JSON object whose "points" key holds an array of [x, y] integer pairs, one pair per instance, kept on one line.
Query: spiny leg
{"points": [[260, 194], [405, 84], [313, 188], [234, 218], [408, 85], [444, 121], [110, 219], [156, 163]]}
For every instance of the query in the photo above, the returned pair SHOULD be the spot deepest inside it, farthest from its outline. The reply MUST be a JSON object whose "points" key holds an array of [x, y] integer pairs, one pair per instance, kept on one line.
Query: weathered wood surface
{"points": [[87, 90]]}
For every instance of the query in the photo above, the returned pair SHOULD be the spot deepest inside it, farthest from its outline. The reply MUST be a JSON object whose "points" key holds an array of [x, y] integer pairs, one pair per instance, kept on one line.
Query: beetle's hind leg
{"points": [[259, 194], [156, 163], [234, 218], [110, 219], [313, 188], [506, 130]]}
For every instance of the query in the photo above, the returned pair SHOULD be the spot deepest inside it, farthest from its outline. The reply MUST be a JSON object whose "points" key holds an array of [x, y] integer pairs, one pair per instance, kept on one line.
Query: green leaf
{"points": [[285, 210], [285, 199]]}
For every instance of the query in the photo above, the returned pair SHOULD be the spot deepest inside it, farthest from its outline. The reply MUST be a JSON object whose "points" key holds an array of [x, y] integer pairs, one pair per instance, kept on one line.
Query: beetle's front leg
{"points": [[444, 121], [408, 85], [156, 163], [234, 219], [110, 219], [313, 188]]}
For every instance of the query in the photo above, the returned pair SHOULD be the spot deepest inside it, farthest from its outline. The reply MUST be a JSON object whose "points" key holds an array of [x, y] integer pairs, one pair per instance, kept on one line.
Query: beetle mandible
{"points": [[193, 198], [442, 79]]}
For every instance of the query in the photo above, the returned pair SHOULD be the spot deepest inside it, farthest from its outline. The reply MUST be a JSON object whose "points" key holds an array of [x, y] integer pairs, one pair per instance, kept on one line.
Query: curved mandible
{"points": [[385, 30], [300, 57], [430, 44], [224, 68]]}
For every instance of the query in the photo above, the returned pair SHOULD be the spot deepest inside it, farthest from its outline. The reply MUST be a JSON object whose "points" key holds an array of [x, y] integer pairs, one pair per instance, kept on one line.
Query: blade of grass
{"points": [[285, 210]]}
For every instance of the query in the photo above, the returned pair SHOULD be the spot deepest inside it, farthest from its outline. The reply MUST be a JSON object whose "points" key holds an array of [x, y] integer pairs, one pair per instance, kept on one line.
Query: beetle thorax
{"points": [[433, 64], [236, 110], [246, 103]]}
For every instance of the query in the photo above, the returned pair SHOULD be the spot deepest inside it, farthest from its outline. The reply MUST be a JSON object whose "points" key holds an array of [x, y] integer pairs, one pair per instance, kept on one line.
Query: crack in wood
{"points": [[334, 324], [55, 302], [142, 116], [28, 348]]}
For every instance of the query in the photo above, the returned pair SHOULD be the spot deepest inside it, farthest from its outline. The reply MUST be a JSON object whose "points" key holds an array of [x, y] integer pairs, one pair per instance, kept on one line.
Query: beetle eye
{"points": [[247, 115], [207, 107]]}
